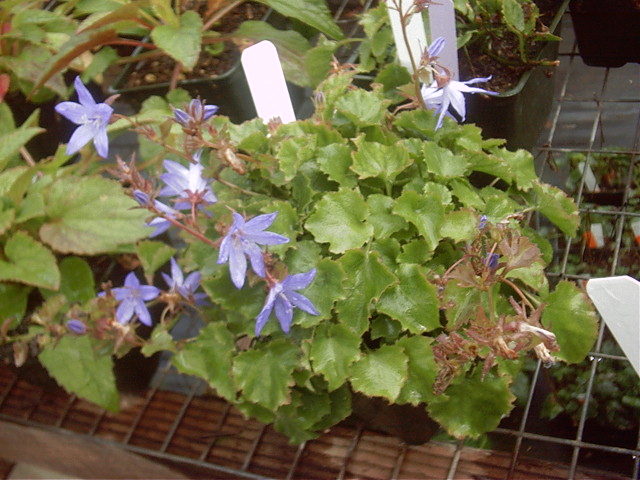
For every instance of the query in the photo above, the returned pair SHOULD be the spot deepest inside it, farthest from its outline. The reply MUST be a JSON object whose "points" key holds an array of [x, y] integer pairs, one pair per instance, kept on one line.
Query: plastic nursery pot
{"points": [[607, 31], [519, 115]]}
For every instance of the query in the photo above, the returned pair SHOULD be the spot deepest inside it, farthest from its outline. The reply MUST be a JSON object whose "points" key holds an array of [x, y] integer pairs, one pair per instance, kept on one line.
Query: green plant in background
{"points": [[499, 25], [183, 30], [614, 401]]}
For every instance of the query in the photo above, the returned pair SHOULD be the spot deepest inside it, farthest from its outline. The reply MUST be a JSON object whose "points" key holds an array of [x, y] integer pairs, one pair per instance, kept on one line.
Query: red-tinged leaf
{"points": [[62, 60], [5, 81], [129, 11]]}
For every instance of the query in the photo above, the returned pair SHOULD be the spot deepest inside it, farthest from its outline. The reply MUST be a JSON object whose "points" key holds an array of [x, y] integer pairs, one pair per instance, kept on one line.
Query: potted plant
{"points": [[197, 46], [515, 43], [347, 253]]}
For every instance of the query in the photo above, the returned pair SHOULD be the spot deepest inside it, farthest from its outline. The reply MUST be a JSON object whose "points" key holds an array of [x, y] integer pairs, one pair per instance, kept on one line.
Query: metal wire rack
{"points": [[596, 111]]}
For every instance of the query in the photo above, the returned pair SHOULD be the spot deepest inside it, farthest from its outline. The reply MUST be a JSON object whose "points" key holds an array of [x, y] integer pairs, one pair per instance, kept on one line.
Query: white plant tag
{"points": [[618, 301], [415, 34], [589, 178], [442, 23], [635, 227], [266, 82], [595, 236]]}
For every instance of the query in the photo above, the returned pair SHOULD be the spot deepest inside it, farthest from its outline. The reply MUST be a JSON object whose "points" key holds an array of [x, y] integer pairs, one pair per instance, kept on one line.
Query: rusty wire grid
{"points": [[596, 110]]}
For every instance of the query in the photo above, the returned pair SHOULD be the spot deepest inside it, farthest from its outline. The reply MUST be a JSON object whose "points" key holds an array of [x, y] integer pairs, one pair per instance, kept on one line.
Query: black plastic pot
{"points": [[607, 31], [519, 115]]}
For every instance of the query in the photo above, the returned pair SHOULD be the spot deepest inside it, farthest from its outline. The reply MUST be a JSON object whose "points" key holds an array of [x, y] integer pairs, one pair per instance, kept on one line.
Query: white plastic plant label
{"points": [[266, 81], [590, 181], [635, 227], [415, 33], [595, 236], [618, 301], [442, 23]]}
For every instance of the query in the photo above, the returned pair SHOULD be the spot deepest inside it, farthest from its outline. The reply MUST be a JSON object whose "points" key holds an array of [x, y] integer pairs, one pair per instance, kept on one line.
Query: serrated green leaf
{"points": [[91, 215], [367, 280], [384, 222], [6, 220], [160, 341], [296, 419], [425, 212], [181, 42], [443, 162], [209, 357], [78, 369], [467, 195], [76, 281], [522, 167], [333, 349], [362, 108], [460, 225], [513, 14], [558, 207], [10, 143], [153, 255], [413, 301], [317, 60], [29, 262], [472, 406], [570, 315], [422, 370], [415, 251], [381, 373], [372, 159], [335, 160], [265, 374], [339, 219], [462, 303]]}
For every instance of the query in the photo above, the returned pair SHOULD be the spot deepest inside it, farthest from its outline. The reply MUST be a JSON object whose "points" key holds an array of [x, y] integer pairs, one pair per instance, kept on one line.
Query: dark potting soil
{"points": [[501, 65], [160, 68]]}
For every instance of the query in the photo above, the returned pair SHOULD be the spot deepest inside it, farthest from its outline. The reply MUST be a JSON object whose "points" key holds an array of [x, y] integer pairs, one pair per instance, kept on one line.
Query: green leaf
{"points": [[335, 161], [367, 280], [30, 262], [462, 303], [362, 108], [160, 341], [293, 153], [325, 290], [443, 162], [461, 225], [570, 315], [522, 166], [6, 220], [317, 60], [296, 420], [153, 255], [182, 43], [467, 195], [265, 374], [339, 219], [209, 357], [472, 406], [78, 369], [425, 212], [312, 12], [76, 281], [91, 215], [333, 349], [10, 143], [373, 159], [381, 373], [513, 14], [291, 47], [557, 207], [384, 222], [422, 370], [13, 302], [413, 301]]}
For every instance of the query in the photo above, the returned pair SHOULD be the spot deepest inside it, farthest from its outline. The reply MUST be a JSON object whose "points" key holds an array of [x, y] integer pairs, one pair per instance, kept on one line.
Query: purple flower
{"points": [[445, 92], [194, 114], [187, 184], [76, 326], [483, 222], [491, 261], [185, 287], [283, 297], [243, 239], [92, 117], [132, 297]]}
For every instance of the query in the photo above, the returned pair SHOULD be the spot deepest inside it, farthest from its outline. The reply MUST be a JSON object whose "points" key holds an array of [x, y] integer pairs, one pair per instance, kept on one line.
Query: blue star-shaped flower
{"points": [[92, 119], [283, 297], [132, 298], [187, 184], [194, 114], [243, 239], [185, 287]]}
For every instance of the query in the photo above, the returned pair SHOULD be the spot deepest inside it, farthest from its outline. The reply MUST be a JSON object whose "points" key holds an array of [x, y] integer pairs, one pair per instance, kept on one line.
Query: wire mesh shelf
{"points": [[596, 112]]}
